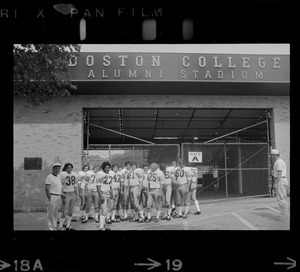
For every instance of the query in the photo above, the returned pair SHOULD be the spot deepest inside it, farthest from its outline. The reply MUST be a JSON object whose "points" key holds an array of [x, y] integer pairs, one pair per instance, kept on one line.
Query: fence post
{"points": [[225, 156]]}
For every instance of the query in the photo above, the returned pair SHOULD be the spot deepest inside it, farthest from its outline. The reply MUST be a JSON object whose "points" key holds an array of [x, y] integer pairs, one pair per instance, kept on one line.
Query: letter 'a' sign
{"points": [[195, 157]]}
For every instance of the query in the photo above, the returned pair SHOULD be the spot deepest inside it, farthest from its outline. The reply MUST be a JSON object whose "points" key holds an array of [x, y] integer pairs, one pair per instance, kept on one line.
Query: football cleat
{"points": [[108, 221], [69, 228], [85, 220], [124, 219], [163, 218], [104, 229], [141, 220], [168, 218], [178, 216], [65, 224], [197, 213], [185, 216], [97, 220], [148, 220], [157, 220]]}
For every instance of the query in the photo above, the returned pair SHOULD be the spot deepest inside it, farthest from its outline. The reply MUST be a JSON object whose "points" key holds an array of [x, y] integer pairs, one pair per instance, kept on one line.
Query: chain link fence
{"points": [[140, 153], [229, 170], [224, 170]]}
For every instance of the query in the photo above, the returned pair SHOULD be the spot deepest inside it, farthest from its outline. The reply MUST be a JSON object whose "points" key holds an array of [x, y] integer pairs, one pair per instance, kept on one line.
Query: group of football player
{"points": [[117, 192]]}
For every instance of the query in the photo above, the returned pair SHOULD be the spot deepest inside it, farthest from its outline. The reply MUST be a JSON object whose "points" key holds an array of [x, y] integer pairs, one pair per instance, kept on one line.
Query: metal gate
{"points": [[140, 153], [229, 170]]}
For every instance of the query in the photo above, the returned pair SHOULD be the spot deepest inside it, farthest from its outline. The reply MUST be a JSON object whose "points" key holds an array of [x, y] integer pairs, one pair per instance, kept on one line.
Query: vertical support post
{"points": [[225, 156], [109, 153], [133, 157], [240, 170], [270, 177], [88, 136]]}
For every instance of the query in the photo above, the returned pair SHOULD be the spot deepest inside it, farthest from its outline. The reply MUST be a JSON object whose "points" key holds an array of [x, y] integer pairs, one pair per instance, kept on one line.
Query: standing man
{"points": [[155, 177], [104, 180], [193, 189], [281, 182], [135, 188], [53, 190], [70, 192], [125, 189], [183, 177]]}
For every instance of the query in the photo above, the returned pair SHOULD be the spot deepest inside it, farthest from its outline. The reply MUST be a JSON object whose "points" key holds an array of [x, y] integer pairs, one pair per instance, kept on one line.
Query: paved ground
{"points": [[239, 214]]}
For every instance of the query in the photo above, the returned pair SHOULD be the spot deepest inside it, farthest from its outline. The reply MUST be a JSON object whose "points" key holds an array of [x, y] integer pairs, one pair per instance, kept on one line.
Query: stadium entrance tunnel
{"points": [[229, 147]]}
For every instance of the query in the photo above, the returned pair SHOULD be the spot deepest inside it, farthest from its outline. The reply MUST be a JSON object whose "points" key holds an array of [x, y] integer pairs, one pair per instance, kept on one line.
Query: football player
{"points": [[183, 178], [135, 186], [155, 177], [116, 185], [125, 190], [193, 189], [92, 194], [104, 180], [69, 192], [166, 190], [82, 187], [174, 202], [145, 189]]}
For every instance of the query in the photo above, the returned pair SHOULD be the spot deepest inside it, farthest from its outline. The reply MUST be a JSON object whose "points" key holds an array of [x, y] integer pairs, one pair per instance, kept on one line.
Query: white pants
{"points": [[281, 194], [52, 213]]}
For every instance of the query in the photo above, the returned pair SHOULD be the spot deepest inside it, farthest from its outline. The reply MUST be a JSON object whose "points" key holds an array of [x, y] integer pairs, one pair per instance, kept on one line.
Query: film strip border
{"points": [[146, 22], [158, 251]]}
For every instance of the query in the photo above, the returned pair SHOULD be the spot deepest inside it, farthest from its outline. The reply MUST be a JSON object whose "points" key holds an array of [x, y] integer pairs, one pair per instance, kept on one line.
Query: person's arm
{"points": [[76, 190], [47, 189]]}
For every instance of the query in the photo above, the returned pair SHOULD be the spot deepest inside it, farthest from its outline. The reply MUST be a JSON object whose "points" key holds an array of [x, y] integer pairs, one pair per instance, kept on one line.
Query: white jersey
{"points": [[90, 179], [105, 180], [194, 174], [69, 181], [279, 165], [155, 179], [116, 180], [135, 177], [170, 174], [145, 179], [81, 179], [182, 175], [124, 176]]}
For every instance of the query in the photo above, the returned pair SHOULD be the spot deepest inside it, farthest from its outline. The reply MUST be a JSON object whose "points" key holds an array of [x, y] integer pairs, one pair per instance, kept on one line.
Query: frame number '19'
{"points": [[174, 265]]}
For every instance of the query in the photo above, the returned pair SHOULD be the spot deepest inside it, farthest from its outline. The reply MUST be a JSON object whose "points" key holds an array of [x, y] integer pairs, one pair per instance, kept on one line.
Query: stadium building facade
{"points": [[219, 107]]}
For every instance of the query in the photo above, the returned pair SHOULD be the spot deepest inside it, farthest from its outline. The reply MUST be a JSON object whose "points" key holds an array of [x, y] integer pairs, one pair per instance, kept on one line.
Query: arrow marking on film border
{"points": [[153, 264], [4, 265], [292, 264]]}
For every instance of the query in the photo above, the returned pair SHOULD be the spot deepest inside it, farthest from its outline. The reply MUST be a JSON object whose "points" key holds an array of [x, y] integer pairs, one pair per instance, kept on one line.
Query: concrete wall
{"points": [[54, 131]]}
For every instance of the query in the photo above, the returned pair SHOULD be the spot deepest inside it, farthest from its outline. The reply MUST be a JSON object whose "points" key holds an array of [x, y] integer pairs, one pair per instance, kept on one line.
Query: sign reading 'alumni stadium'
{"points": [[179, 67]]}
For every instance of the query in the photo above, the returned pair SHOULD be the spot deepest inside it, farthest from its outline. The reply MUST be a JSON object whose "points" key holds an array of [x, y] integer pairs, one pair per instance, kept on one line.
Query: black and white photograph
{"points": [[151, 136]]}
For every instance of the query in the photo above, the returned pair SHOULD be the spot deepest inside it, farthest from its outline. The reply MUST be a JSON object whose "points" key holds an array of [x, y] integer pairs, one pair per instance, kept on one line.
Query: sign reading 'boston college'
{"points": [[179, 67]]}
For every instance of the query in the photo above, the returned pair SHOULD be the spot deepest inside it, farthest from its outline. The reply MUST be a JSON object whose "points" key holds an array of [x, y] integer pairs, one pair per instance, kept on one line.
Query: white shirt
{"points": [[116, 180], [183, 175], [194, 174], [69, 181], [170, 173], [81, 179], [90, 178], [124, 177], [135, 177], [145, 178], [279, 165], [55, 183], [155, 178], [105, 180]]}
